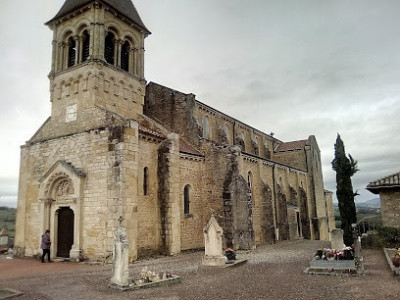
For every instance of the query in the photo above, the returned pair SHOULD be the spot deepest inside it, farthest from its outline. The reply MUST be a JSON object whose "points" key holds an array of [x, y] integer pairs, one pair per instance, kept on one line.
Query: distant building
{"points": [[388, 189], [116, 145]]}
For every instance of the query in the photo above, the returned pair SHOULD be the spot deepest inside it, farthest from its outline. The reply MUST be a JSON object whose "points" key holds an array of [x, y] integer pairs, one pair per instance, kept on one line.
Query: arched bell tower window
{"points": [[85, 46], [109, 48], [71, 52], [125, 56]]}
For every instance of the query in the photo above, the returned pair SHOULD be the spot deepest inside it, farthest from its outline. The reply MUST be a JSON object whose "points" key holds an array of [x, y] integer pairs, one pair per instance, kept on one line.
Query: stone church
{"points": [[118, 146]]}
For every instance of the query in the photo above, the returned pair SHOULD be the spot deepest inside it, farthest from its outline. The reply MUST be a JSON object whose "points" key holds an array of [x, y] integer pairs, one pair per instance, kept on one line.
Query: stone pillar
{"points": [[173, 202], [120, 270], [213, 237], [118, 48], [131, 68]]}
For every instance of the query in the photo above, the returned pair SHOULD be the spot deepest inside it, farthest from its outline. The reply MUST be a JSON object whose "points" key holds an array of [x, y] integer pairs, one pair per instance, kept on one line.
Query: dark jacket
{"points": [[45, 241]]}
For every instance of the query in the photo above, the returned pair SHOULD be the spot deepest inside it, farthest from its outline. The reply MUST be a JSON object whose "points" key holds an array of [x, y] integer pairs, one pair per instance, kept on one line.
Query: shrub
{"points": [[390, 236]]}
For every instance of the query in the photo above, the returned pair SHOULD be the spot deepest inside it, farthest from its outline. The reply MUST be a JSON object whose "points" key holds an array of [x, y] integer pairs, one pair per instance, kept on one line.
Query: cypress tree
{"points": [[345, 168]]}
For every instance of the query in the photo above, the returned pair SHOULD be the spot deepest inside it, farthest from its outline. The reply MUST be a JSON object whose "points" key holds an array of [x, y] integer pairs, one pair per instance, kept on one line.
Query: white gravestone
{"points": [[120, 267], [213, 235], [337, 239]]}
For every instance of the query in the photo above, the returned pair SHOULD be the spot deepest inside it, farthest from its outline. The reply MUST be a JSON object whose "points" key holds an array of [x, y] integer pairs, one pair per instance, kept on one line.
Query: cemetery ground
{"points": [[272, 272]]}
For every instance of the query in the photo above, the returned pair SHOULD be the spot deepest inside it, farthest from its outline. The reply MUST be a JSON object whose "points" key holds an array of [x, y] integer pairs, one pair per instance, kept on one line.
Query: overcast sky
{"points": [[295, 68]]}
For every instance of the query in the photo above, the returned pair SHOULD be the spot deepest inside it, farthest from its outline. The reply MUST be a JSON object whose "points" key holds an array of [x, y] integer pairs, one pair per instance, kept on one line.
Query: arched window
{"points": [[206, 127], [249, 182], [109, 48], [125, 56], [71, 51], [186, 199], [85, 46], [145, 180]]}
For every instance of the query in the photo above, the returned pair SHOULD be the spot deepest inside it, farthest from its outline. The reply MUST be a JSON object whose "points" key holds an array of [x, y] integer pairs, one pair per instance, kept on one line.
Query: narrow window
{"points": [[71, 51], [145, 180], [109, 48], [125, 56], [249, 183], [186, 200], [85, 46]]}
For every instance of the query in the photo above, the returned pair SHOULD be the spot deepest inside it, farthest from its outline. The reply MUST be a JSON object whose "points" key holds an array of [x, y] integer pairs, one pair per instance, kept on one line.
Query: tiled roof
{"points": [[388, 182], [185, 147], [291, 146], [150, 132], [125, 7]]}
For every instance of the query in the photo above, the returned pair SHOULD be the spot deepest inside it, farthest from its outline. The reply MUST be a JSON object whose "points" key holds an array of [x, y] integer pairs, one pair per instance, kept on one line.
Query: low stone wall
{"points": [[389, 254]]}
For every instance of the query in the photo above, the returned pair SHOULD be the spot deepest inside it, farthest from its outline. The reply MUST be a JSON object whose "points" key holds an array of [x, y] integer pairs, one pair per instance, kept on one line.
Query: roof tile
{"points": [[291, 146], [124, 7]]}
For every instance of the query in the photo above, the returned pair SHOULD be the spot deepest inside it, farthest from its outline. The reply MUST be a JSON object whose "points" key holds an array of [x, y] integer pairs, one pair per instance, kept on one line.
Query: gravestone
{"points": [[213, 237], [337, 239], [4, 237], [120, 270]]}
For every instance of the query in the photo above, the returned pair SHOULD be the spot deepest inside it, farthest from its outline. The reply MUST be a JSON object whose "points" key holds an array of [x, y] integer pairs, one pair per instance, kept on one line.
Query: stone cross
{"points": [[213, 237], [120, 270]]}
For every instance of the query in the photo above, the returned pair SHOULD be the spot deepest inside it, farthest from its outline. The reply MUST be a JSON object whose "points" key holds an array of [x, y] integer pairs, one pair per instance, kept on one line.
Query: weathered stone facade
{"points": [[160, 159], [388, 189]]}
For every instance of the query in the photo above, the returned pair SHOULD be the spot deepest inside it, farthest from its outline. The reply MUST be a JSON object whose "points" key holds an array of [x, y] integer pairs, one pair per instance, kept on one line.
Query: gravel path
{"points": [[272, 272]]}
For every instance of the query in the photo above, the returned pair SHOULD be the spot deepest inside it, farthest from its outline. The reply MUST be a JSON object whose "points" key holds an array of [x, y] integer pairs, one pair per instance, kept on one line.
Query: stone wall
{"points": [[108, 159], [390, 205], [295, 159], [149, 215], [183, 114]]}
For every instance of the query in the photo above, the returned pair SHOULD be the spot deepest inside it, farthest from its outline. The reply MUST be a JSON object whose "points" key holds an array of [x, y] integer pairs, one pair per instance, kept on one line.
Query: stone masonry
{"points": [[165, 162]]}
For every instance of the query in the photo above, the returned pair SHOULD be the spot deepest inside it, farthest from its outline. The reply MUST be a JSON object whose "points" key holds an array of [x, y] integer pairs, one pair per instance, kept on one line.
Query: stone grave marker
{"points": [[337, 239], [120, 265], [213, 235]]}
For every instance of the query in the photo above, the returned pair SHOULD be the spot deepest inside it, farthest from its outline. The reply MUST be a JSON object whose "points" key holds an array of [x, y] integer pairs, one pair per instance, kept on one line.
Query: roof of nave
{"points": [[291, 146], [184, 146], [125, 7], [388, 182], [146, 130]]}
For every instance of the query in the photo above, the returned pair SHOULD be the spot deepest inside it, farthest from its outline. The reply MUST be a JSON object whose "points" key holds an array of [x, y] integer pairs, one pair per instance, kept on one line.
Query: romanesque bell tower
{"points": [[97, 64], [78, 172]]}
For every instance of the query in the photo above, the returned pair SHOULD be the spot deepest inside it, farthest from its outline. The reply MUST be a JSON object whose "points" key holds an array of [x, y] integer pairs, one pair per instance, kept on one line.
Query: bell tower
{"points": [[97, 68]]}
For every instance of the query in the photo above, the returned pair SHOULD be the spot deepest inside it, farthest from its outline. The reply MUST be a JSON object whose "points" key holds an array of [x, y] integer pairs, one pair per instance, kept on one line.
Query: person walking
{"points": [[45, 245]]}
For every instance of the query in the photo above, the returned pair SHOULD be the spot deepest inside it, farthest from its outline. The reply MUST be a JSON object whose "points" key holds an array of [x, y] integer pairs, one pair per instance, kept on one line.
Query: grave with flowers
{"points": [[343, 262], [393, 259]]}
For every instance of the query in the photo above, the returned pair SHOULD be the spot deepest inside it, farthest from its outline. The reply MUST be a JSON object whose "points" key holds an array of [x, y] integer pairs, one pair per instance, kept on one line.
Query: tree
{"points": [[345, 168]]}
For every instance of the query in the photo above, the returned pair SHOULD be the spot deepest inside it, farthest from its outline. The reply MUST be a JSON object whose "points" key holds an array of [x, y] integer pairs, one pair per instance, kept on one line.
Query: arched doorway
{"points": [[65, 232]]}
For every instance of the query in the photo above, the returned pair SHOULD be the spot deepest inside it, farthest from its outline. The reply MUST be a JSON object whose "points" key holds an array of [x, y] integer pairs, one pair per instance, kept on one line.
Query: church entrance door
{"points": [[65, 232]]}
